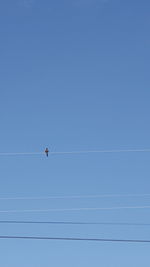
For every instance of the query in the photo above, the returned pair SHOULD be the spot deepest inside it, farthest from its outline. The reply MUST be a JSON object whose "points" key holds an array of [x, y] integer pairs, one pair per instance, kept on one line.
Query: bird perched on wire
{"points": [[46, 152]]}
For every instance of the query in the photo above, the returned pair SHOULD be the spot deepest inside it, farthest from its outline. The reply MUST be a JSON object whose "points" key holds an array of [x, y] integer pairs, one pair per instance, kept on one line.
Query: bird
{"points": [[46, 151]]}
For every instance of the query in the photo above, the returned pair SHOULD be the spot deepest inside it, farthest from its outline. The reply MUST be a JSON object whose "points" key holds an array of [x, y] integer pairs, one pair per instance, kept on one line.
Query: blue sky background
{"points": [[74, 75]]}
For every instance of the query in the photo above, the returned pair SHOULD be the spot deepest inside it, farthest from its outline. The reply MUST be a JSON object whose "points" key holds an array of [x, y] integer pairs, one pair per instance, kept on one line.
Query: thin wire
{"points": [[73, 209], [76, 223], [76, 152], [21, 153], [101, 151], [76, 239], [75, 197]]}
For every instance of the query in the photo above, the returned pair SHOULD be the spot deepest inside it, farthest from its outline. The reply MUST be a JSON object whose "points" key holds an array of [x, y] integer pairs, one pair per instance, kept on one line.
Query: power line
{"points": [[76, 223], [75, 152], [21, 153], [101, 151], [73, 209], [76, 239], [75, 197]]}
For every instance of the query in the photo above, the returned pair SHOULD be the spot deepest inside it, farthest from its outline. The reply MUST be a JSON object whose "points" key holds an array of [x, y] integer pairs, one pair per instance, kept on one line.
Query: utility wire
{"points": [[76, 197], [101, 151], [21, 153], [76, 223], [75, 152], [73, 209], [76, 239]]}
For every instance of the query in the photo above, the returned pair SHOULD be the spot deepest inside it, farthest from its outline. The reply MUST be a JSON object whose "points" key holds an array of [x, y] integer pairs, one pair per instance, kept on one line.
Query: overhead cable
{"points": [[76, 239], [73, 209], [21, 153], [75, 197], [76, 223], [101, 151], [74, 152]]}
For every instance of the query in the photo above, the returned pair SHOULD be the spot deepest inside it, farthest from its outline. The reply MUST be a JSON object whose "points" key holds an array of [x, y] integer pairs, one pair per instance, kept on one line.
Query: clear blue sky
{"points": [[74, 75]]}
